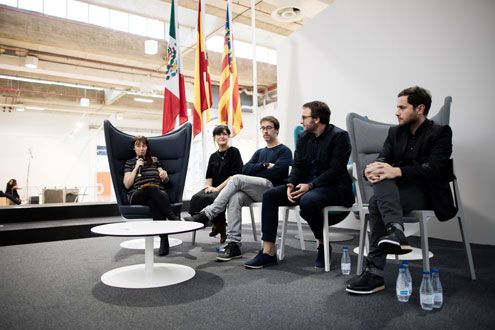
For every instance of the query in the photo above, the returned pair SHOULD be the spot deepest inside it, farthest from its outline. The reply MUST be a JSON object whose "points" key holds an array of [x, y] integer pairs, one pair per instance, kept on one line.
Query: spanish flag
{"points": [[202, 84], [229, 98]]}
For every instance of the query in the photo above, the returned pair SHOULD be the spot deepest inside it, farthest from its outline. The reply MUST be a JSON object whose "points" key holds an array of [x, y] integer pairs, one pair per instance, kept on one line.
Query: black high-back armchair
{"points": [[171, 149]]}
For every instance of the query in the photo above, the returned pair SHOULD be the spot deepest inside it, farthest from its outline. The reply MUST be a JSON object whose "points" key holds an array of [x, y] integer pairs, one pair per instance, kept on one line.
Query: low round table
{"points": [[149, 274]]}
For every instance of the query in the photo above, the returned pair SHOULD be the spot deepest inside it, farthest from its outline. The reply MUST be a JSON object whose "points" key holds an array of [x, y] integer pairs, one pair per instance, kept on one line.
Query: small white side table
{"points": [[149, 274]]}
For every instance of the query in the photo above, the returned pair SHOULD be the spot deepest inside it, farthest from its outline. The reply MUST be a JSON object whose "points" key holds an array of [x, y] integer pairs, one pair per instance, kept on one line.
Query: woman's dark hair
{"points": [[143, 140], [11, 183], [416, 96], [219, 129]]}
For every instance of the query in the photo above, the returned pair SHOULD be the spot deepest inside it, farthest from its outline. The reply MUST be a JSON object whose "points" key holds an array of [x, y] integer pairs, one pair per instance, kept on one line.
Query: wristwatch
{"points": [[310, 186]]}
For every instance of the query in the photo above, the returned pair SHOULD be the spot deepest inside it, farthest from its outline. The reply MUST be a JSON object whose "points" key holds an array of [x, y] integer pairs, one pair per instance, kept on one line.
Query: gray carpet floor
{"points": [[56, 285]]}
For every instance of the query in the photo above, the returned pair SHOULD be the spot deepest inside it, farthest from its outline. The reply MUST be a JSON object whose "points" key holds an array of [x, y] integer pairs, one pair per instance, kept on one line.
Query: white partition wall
{"points": [[357, 55]]}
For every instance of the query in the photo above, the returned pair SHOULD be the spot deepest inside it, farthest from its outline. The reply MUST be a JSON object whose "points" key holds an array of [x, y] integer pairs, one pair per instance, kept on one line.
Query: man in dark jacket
{"points": [[318, 178], [411, 173]]}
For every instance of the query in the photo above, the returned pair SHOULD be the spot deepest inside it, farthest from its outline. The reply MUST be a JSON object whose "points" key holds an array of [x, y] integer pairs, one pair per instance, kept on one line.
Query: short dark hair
{"points": [[273, 120], [219, 129], [320, 110], [143, 140], [416, 96]]}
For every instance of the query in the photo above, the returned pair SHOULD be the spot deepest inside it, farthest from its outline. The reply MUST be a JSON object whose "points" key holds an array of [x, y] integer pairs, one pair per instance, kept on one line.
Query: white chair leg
{"points": [[281, 250], [465, 239], [467, 248], [253, 223], [362, 238], [423, 228], [299, 228], [326, 250]]}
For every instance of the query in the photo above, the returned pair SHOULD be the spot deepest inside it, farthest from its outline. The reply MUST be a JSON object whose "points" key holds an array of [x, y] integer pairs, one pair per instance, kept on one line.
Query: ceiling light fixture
{"points": [[34, 108], [84, 101], [140, 99], [31, 62], [47, 82], [150, 47]]}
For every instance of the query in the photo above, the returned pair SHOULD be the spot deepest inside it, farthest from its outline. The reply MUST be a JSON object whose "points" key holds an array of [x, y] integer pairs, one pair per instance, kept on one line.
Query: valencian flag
{"points": [[174, 103], [229, 98], [202, 84]]}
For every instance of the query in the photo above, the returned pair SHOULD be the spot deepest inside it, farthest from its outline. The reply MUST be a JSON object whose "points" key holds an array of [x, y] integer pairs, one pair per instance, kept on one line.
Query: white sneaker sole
{"points": [[377, 289]]}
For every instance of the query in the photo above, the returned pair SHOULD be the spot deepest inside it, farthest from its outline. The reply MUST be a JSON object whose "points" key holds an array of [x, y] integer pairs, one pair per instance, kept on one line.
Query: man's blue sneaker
{"points": [[261, 260]]}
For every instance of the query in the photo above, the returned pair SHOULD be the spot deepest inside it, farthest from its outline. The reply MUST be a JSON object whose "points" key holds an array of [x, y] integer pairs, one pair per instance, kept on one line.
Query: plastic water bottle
{"points": [[408, 276], [437, 288], [345, 262], [426, 292], [401, 285]]}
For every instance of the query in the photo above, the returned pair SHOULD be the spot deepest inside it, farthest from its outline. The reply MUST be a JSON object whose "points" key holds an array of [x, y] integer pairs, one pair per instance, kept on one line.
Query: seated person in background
{"points": [[11, 192], [144, 178], [318, 178], [269, 166], [223, 163], [411, 173]]}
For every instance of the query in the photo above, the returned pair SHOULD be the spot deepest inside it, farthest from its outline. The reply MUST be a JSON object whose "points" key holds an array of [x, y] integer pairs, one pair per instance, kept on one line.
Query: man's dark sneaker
{"points": [[231, 251], [394, 242], [320, 256], [366, 283], [261, 260], [164, 245], [219, 228], [199, 217]]}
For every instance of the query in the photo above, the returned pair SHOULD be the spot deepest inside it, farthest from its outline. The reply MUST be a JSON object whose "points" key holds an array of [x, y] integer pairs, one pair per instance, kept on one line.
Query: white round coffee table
{"points": [[149, 274]]}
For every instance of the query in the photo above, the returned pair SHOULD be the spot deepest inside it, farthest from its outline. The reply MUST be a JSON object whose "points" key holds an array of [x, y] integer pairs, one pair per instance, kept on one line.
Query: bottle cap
{"points": [[402, 266], [434, 270], [425, 272], [345, 247], [406, 262]]}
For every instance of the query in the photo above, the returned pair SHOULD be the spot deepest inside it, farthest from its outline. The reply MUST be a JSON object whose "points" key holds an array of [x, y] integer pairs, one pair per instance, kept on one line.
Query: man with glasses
{"points": [[268, 167], [318, 178]]}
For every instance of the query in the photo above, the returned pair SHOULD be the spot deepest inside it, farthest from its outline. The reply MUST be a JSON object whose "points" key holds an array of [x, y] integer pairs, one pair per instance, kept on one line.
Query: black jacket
{"points": [[334, 149], [431, 163]]}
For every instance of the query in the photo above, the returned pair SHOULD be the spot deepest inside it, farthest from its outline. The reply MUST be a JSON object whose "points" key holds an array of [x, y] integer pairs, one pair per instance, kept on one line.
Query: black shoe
{"points": [[366, 283], [172, 216], [232, 251], [320, 256], [394, 242], [164, 246], [200, 217], [261, 260], [219, 228]]}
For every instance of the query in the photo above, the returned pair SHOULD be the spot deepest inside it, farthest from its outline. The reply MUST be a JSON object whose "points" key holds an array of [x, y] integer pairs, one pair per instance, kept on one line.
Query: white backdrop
{"points": [[357, 55]]}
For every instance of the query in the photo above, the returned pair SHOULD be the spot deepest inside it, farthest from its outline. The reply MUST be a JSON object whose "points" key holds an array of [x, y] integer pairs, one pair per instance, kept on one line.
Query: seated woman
{"points": [[144, 178], [11, 192], [223, 163]]}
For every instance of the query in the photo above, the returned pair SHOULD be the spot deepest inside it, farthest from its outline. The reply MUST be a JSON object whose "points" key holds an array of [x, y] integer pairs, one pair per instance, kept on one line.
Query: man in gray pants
{"points": [[268, 167]]}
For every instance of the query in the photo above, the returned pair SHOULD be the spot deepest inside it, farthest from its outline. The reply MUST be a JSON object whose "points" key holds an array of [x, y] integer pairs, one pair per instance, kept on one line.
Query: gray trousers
{"points": [[389, 204], [241, 190]]}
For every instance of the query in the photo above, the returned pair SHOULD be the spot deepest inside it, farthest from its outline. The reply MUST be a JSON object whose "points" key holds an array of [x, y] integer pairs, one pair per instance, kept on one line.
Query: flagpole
{"points": [[255, 74], [177, 39], [203, 119], [230, 110]]}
